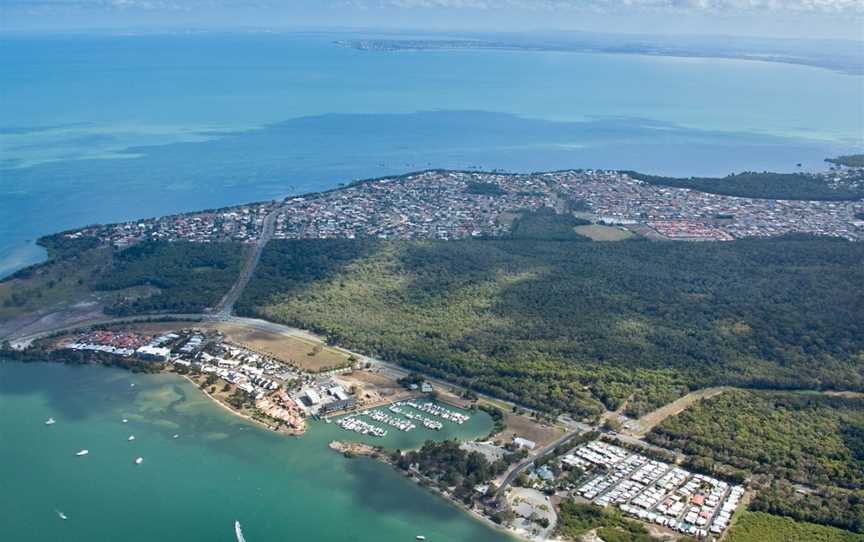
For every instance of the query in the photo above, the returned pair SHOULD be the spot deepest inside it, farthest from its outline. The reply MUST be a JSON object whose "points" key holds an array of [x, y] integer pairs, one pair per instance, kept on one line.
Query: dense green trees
{"points": [[843, 508], [759, 527], [760, 185], [451, 466], [808, 438], [546, 224], [484, 189], [575, 519], [849, 160], [580, 326], [784, 439], [188, 277]]}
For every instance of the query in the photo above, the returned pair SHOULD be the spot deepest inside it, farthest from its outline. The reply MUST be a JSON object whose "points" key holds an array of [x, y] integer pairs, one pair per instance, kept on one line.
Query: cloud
{"points": [[731, 7], [710, 6]]}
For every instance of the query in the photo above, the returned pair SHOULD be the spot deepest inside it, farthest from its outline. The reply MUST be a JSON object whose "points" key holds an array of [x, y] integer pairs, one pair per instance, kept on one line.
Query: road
{"points": [[547, 450], [225, 307]]}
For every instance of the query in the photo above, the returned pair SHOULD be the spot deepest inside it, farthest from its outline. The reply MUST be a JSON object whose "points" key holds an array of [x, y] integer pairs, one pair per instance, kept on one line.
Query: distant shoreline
{"points": [[851, 66]]}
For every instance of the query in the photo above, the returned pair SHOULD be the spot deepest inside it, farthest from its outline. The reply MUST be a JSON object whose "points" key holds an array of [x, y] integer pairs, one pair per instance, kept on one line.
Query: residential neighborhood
{"points": [[449, 205]]}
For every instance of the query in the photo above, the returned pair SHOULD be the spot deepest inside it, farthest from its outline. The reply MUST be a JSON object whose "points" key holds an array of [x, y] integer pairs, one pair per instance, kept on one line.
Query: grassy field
{"points": [[597, 232], [760, 527], [305, 354]]}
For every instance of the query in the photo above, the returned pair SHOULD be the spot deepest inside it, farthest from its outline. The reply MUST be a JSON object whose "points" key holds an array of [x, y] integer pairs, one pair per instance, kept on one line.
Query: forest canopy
{"points": [[783, 438], [766, 185], [580, 326]]}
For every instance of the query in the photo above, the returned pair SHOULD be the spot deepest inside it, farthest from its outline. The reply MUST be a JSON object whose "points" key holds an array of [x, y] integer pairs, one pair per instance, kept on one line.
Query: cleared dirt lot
{"points": [[526, 427], [305, 353], [373, 388]]}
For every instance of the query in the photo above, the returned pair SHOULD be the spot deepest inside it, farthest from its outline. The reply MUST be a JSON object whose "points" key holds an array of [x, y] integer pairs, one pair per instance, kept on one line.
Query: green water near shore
{"points": [[220, 469]]}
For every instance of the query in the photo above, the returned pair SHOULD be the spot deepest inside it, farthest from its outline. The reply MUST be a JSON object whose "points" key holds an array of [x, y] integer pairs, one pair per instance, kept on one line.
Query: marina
{"points": [[351, 423], [404, 416], [392, 421], [439, 411], [427, 423]]}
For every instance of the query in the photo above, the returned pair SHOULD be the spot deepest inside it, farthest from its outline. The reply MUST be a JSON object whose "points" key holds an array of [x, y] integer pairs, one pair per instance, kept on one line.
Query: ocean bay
{"points": [[222, 119], [220, 469]]}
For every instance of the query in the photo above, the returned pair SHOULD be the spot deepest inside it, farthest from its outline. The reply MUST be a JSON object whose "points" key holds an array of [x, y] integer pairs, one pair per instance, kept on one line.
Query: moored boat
{"points": [[50, 421], [83, 453], [139, 460]]}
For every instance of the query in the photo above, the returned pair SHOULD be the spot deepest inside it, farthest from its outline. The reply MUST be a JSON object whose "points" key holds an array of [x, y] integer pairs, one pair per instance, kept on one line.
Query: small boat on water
{"points": [[61, 515], [50, 421], [83, 453], [131, 438], [176, 436], [239, 532], [139, 460], [420, 537], [132, 385], [125, 420]]}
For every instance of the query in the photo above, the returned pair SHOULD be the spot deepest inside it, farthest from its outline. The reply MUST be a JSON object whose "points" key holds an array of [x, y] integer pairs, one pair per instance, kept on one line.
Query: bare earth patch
{"points": [[305, 353], [529, 428]]}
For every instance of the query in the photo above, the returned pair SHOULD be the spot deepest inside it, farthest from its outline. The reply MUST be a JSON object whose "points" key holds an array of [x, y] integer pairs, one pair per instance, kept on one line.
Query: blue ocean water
{"points": [[106, 128]]}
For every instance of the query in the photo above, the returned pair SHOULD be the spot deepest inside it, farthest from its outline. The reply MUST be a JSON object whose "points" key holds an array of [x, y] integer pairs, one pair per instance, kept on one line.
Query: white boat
{"points": [[61, 515], [131, 438], [139, 460], [132, 385], [125, 420], [50, 421], [176, 436], [421, 537], [82, 453], [239, 532]]}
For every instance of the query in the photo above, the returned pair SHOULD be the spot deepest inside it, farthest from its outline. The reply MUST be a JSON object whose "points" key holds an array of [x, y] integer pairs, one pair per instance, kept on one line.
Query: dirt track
{"points": [[642, 426]]}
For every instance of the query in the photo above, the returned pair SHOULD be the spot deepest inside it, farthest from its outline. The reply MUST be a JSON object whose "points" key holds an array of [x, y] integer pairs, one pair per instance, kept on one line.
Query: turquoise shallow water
{"points": [[221, 469], [111, 128], [108, 128]]}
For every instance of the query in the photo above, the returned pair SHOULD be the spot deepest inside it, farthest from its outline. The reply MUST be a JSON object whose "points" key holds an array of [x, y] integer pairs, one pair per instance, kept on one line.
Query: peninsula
{"points": [[576, 308]]}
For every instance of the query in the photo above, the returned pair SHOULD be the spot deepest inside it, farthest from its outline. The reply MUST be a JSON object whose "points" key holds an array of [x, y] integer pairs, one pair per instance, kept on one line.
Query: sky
{"points": [[815, 19]]}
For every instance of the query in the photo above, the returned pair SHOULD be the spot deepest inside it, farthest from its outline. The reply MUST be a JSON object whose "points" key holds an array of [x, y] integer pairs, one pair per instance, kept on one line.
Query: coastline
{"points": [[350, 449], [274, 429]]}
